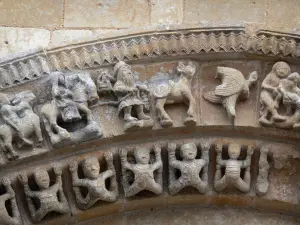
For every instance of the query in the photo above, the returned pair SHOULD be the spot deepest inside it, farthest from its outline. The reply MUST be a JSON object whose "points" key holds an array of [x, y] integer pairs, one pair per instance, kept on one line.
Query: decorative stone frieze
{"points": [[51, 198], [147, 175], [193, 171], [94, 181]]}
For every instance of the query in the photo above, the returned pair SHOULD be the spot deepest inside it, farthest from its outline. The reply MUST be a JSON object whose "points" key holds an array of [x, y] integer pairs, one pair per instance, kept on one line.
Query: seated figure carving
{"points": [[67, 118], [177, 92], [20, 124], [280, 93], [190, 168], [233, 168], [51, 198], [234, 87], [131, 100], [5, 217], [94, 181], [144, 172]]}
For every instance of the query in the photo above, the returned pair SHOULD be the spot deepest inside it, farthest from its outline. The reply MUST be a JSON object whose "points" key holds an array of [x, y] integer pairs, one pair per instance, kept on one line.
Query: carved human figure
{"points": [[105, 82], [233, 168], [262, 183], [51, 198], [269, 92], [234, 87], [21, 124], [128, 94], [144, 178], [94, 181], [177, 92], [71, 96], [5, 217], [190, 168]]}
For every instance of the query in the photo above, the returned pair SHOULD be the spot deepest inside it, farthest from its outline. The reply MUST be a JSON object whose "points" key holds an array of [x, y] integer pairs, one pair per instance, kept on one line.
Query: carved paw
{"points": [[73, 165], [171, 146], [57, 170], [23, 178], [6, 181], [108, 156]]}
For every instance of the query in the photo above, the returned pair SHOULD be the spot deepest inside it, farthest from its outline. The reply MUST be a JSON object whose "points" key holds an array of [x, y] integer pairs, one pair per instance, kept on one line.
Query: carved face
{"points": [[142, 155], [234, 150], [188, 70], [126, 75], [282, 69], [91, 167], [42, 178], [188, 151]]}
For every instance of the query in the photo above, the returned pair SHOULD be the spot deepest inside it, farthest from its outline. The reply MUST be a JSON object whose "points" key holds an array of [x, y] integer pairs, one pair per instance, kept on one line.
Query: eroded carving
{"points": [[233, 166], [280, 93], [193, 172], [132, 97], [234, 87], [94, 181], [177, 92], [67, 117], [6, 218], [262, 184], [147, 175], [51, 198], [21, 124]]}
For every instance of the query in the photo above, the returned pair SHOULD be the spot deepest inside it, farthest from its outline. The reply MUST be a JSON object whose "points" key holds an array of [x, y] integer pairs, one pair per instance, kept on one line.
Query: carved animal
{"points": [[20, 124], [233, 168], [51, 198], [94, 181], [177, 92], [190, 168], [5, 218], [143, 171], [234, 87]]}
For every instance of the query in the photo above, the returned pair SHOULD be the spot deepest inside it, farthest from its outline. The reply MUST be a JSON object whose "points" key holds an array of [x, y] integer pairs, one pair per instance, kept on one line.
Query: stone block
{"points": [[31, 13], [166, 12], [232, 10], [106, 13]]}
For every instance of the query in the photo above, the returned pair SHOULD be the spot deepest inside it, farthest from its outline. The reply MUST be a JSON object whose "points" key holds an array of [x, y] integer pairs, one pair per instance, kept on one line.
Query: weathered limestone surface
{"points": [[31, 13], [167, 12]]}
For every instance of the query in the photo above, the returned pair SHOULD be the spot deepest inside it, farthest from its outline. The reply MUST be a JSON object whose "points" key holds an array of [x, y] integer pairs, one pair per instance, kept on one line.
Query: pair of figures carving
{"points": [[134, 98], [280, 89], [20, 124]]}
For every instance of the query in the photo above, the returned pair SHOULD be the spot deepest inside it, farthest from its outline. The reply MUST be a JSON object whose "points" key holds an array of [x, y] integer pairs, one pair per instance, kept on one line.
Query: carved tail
{"points": [[210, 96]]}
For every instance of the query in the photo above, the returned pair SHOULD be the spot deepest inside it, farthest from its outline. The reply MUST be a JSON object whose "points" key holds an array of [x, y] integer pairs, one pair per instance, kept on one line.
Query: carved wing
{"points": [[232, 83], [210, 96]]}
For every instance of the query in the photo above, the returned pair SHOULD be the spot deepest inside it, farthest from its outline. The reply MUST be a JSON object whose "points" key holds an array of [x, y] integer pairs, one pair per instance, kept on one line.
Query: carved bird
{"points": [[234, 87]]}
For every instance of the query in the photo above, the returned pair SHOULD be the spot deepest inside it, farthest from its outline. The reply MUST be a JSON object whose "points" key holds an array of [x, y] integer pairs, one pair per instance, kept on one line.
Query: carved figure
{"points": [[94, 181], [105, 82], [262, 184], [51, 198], [177, 92], [269, 92], [144, 177], [190, 168], [233, 168], [21, 124], [71, 96], [5, 218], [234, 87]]}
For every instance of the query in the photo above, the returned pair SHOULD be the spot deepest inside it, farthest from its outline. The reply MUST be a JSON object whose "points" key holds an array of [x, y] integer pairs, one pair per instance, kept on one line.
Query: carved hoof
{"points": [[190, 121], [166, 123]]}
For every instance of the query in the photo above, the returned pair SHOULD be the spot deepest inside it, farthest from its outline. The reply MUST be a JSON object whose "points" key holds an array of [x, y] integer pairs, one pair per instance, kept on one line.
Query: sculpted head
{"points": [[142, 155], [188, 70], [295, 77], [281, 69], [188, 151], [124, 73], [234, 150], [91, 167], [42, 178]]}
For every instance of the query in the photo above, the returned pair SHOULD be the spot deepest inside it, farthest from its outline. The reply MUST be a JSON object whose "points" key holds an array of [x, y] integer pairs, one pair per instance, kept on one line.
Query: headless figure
{"points": [[47, 195], [94, 181], [5, 218], [143, 171], [189, 167], [233, 168]]}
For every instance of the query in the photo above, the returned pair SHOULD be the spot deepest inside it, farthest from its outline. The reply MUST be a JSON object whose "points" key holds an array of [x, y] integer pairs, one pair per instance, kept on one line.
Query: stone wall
{"points": [[38, 24]]}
